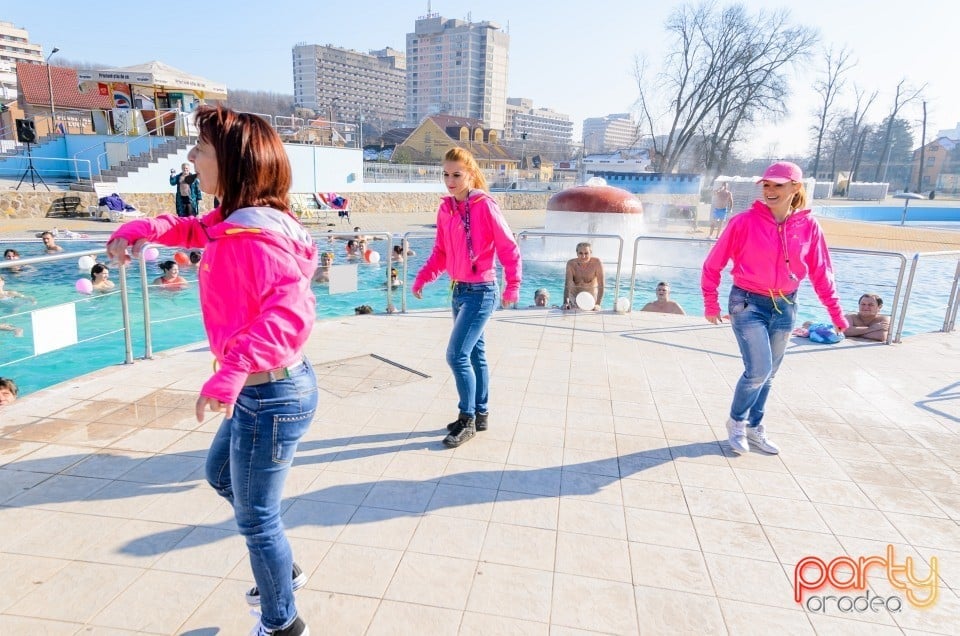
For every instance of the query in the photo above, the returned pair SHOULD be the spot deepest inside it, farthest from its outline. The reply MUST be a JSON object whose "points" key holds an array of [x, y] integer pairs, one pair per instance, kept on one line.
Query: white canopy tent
{"points": [[158, 77]]}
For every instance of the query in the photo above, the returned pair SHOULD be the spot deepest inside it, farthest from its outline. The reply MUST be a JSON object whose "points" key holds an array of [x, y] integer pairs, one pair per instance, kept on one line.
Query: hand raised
{"points": [[117, 250]]}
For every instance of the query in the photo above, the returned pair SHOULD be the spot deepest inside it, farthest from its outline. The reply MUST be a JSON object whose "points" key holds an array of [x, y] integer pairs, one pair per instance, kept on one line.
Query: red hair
{"points": [[252, 166]]}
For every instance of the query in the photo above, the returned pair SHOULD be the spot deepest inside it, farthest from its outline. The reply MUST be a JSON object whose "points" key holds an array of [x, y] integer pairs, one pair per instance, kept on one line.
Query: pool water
{"points": [[176, 321]]}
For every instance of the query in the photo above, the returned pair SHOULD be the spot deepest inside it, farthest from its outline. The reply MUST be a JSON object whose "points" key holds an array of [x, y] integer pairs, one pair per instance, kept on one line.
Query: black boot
{"points": [[481, 423], [463, 430]]}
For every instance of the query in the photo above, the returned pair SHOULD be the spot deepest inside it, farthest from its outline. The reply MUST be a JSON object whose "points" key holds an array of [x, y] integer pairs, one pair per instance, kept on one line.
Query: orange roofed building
{"points": [[34, 98], [437, 134]]}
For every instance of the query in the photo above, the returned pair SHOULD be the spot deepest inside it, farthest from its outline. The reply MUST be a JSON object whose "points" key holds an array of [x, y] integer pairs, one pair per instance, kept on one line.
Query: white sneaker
{"points": [[736, 436], [757, 435]]}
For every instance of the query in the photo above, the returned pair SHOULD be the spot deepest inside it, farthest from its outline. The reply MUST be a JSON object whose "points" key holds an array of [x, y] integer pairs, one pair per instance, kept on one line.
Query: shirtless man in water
{"points": [[584, 273], [868, 323], [663, 304]]}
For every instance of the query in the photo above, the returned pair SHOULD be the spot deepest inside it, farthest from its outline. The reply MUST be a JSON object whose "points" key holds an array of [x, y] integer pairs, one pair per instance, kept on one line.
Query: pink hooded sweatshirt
{"points": [[258, 308], [489, 234], [756, 243]]}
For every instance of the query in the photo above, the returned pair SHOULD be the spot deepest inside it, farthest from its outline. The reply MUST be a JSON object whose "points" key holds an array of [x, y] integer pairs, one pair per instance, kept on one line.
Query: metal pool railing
{"points": [[123, 291], [527, 234], [950, 317], [705, 244]]}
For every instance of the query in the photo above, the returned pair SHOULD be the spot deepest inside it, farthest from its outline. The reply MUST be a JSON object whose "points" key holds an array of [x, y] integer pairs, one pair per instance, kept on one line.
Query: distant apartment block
{"points": [[15, 47], [543, 127], [458, 68], [610, 133], [341, 85]]}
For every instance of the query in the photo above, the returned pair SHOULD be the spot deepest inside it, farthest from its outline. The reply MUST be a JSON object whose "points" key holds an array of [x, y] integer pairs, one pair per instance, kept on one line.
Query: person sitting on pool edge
{"points": [[868, 323], [663, 304]]}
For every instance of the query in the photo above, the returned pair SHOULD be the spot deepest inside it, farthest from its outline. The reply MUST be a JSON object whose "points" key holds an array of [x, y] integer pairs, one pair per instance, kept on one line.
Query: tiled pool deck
{"points": [[603, 498]]}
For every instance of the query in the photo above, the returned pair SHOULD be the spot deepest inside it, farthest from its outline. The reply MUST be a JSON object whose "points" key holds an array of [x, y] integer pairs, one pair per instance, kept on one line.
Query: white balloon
{"points": [[585, 301], [84, 263], [622, 305]]}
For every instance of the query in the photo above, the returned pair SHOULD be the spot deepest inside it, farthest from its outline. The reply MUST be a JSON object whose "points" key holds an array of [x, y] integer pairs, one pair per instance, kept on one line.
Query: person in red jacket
{"points": [[257, 325], [470, 232], [773, 245]]}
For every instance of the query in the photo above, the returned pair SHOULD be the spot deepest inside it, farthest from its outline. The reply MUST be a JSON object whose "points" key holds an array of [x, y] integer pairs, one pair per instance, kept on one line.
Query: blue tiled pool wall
{"points": [[887, 213]]}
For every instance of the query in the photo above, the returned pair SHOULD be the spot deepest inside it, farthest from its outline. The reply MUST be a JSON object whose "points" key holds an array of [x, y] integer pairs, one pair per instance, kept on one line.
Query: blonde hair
{"points": [[470, 164], [799, 201]]}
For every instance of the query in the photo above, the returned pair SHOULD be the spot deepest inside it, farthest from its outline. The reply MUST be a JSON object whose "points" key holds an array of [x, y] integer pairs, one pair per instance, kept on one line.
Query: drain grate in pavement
{"points": [[363, 374]]}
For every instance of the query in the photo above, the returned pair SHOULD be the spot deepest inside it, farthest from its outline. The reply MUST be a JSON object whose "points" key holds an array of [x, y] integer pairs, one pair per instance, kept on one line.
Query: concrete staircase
{"points": [[136, 163], [20, 149]]}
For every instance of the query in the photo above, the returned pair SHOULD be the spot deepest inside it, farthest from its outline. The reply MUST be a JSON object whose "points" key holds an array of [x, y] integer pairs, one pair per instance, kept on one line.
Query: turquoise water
{"points": [[175, 316]]}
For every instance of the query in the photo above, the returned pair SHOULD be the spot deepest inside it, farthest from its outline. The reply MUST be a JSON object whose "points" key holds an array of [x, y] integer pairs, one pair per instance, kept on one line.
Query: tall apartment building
{"points": [[542, 126], [459, 68], [610, 133], [15, 46], [340, 84]]}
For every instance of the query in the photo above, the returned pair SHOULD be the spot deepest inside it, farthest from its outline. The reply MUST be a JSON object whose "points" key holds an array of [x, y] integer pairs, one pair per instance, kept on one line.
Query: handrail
{"points": [[616, 291], [950, 319], [896, 292], [34, 159], [127, 143], [405, 241], [834, 250], [951, 305], [144, 284], [124, 292], [636, 253]]}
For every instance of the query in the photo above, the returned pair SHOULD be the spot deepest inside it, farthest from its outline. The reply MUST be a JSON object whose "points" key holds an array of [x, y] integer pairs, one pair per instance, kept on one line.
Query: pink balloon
{"points": [[84, 286], [151, 253]]}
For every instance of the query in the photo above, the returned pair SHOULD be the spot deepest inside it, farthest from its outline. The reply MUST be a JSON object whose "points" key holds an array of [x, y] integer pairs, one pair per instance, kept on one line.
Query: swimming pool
{"points": [[175, 316]]}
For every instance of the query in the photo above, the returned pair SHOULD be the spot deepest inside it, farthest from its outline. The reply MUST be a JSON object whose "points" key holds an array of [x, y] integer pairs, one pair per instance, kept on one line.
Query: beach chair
{"points": [[307, 210], [103, 212], [331, 201]]}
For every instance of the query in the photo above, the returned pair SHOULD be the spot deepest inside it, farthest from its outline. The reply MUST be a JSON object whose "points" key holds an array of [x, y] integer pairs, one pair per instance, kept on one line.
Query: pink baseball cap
{"points": [[782, 172]]}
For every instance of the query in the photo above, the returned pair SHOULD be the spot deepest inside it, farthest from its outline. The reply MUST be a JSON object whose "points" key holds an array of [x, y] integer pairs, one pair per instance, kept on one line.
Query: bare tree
{"points": [[862, 104], [828, 87], [724, 69], [902, 96]]}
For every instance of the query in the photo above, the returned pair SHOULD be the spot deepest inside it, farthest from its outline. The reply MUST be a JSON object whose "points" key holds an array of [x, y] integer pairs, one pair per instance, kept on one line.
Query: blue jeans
{"points": [[248, 464], [762, 326], [473, 304]]}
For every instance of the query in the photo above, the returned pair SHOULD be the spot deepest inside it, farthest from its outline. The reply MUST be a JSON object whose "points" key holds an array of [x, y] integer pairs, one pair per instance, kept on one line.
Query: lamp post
{"points": [[53, 109]]}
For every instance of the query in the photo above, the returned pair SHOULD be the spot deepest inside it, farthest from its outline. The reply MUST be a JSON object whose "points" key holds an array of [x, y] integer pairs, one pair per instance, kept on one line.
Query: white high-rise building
{"points": [[341, 85], [15, 46], [536, 125], [459, 68], [610, 133]]}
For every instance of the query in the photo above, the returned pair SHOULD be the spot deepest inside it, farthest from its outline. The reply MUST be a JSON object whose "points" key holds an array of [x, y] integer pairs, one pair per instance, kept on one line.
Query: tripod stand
{"points": [[32, 171]]}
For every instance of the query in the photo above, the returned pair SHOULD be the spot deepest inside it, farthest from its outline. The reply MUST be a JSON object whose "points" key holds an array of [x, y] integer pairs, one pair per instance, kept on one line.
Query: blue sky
{"points": [[576, 58]]}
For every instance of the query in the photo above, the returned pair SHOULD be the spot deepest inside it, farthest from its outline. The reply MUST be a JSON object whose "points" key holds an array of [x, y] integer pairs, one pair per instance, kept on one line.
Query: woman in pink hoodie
{"points": [[258, 311], [773, 245], [470, 231]]}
